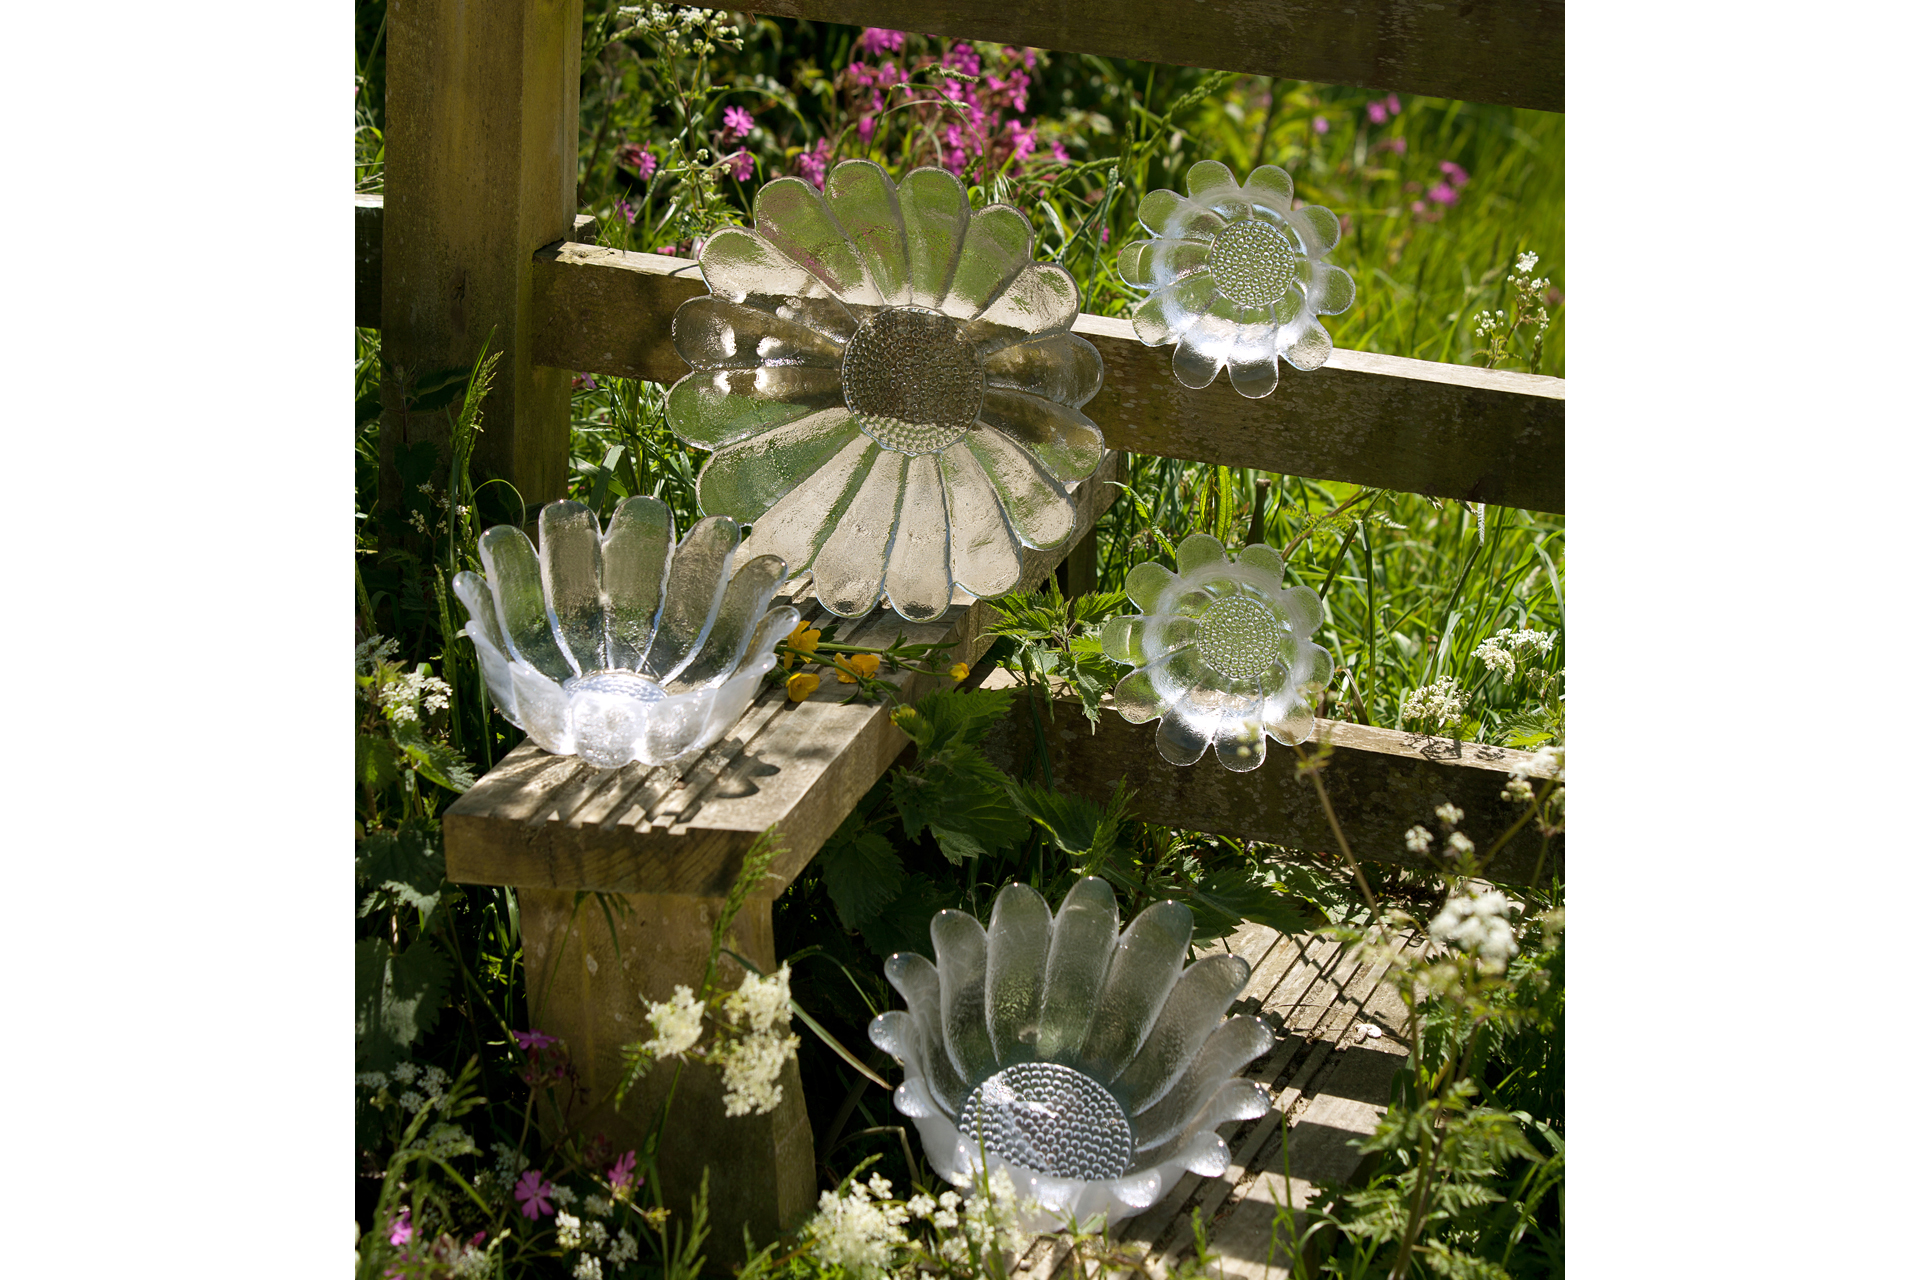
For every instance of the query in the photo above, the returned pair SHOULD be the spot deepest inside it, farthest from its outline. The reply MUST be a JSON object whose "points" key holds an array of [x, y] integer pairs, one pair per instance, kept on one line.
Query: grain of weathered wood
{"points": [[1505, 51], [1381, 783], [482, 142], [369, 223], [550, 821]]}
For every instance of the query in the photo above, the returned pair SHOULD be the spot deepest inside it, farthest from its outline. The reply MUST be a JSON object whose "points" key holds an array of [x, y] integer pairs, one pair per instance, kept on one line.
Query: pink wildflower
{"points": [[1023, 141], [1393, 103], [865, 129], [1419, 206], [742, 165], [584, 381], [638, 159], [1453, 173], [889, 74], [1377, 112], [1320, 124], [533, 1039], [667, 249], [532, 1191], [1442, 194], [963, 59], [881, 40], [736, 121], [1060, 154], [1397, 145], [859, 73], [402, 1227], [625, 210], [621, 1175], [812, 164], [957, 141]]}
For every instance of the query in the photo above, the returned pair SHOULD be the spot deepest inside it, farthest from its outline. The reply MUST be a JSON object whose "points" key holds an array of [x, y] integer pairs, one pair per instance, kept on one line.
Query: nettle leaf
{"points": [[906, 923], [434, 761], [1227, 895], [863, 874], [407, 863], [963, 800], [954, 716], [373, 762], [396, 998], [1076, 824]]}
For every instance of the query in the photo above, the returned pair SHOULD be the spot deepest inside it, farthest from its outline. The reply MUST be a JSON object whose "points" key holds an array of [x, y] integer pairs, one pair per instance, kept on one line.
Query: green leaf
{"points": [[435, 761], [950, 716], [1076, 824], [406, 863], [863, 875], [1227, 895], [963, 799], [904, 925], [396, 998], [373, 762]]}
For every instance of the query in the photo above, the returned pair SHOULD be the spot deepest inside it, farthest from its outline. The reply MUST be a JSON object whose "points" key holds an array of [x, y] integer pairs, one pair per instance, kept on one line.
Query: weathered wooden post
{"points": [[483, 127]]}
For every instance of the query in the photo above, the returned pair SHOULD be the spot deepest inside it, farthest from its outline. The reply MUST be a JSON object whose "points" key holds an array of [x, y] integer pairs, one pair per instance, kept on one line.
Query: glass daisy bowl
{"points": [[1086, 1063], [622, 645], [891, 389], [1236, 278], [1222, 653]]}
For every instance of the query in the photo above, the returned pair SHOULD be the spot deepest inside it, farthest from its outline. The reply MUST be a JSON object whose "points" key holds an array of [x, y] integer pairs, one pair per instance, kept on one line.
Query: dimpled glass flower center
{"points": [[1050, 1119], [1252, 263], [627, 684], [911, 383], [1238, 638]]}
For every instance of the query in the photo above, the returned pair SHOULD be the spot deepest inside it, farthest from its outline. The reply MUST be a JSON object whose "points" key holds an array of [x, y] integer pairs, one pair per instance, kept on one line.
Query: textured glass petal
{"points": [[1236, 1042], [1184, 733], [744, 480], [1264, 558], [1171, 311], [1315, 666], [934, 208], [862, 199], [1038, 509], [960, 951], [633, 568], [1192, 1010], [1120, 639], [919, 581], [1163, 633], [1146, 963], [1329, 290], [739, 265], [676, 724], [695, 577], [1152, 263], [1270, 188], [1240, 742], [1062, 367], [608, 729], [1211, 183], [1304, 610], [999, 243], [1253, 362], [895, 1034], [482, 618], [915, 977], [1017, 943], [513, 571], [1064, 440], [1042, 299], [542, 707], [1291, 726], [570, 577], [1147, 584], [1173, 216], [713, 408], [793, 217], [1237, 1099], [851, 567], [775, 627], [1317, 228], [497, 670], [1206, 343], [1197, 552], [729, 704], [986, 555], [714, 333], [796, 526], [1084, 933], [1311, 349], [1137, 696], [745, 599]]}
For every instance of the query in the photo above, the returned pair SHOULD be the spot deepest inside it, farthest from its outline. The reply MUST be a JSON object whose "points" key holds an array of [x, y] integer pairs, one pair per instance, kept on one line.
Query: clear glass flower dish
{"points": [[890, 386], [1236, 277], [1084, 1061], [1222, 653], [623, 645]]}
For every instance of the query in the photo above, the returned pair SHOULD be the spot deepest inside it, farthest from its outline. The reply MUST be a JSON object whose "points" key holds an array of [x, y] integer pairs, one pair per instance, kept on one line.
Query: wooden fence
{"points": [[477, 233]]}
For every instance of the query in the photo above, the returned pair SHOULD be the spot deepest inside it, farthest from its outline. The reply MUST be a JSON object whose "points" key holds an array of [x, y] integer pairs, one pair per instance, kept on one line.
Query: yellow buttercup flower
{"points": [[866, 664], [803, 638], [958, 671], [801, 685]]}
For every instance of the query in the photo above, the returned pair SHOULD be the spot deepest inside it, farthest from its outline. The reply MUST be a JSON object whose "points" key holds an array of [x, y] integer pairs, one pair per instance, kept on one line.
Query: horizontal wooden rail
{"points": [[1444, 430], [1381, 783], [1506, 51]]}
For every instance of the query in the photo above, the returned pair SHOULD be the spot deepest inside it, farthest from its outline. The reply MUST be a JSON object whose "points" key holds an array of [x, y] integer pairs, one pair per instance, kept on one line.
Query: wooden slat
{"points": [[369, 221], [1505, 51], [1381, 782], [553, 822]]}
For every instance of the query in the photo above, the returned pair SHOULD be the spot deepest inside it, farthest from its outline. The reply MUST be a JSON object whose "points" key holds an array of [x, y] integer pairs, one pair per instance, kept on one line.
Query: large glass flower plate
{"points": [[890, 386], [623, 645], [1236, 277], [1084, 1061], [1222, 651]]}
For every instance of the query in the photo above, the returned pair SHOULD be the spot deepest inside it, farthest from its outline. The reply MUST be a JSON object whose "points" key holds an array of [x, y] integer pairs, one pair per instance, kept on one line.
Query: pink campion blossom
{"points": [[584, 382], [1419, 206], [881, 40], [859, 74], [1453, 173], [1023, 140], [533, 1039], [736, 121], [812, 163], [957, 141], [1397, 145], [865, 129], [667, 250], [625, 210], [402, 1227], [1060, 154], [532, 1191], [1377, 112], [1017, 85], [1393, 103], [1320, 124], [963, 59], [638, 159], [621, 1175], [1442, 194], [742, 165]]}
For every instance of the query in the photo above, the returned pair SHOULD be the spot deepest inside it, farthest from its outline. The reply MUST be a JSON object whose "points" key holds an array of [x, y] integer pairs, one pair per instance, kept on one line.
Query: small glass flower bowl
{"points": [[622, 646], [1083, 1061], [1236, 278], [1221, 653]]}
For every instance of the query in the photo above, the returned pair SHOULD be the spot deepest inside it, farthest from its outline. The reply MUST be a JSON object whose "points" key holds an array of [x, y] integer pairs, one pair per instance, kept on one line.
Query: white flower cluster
{"points": [[625, 1249], [469, 1262], [676, 1024], [1419, 839], [861, 1230], [1485, 322], [1504, 649], [750, 1067], [404, 696], [588, 1268], [1449, 813], [1435, 707], [448, 1141], [1477, 924], [692, 30], [1551, 761], [1527, 261]]}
